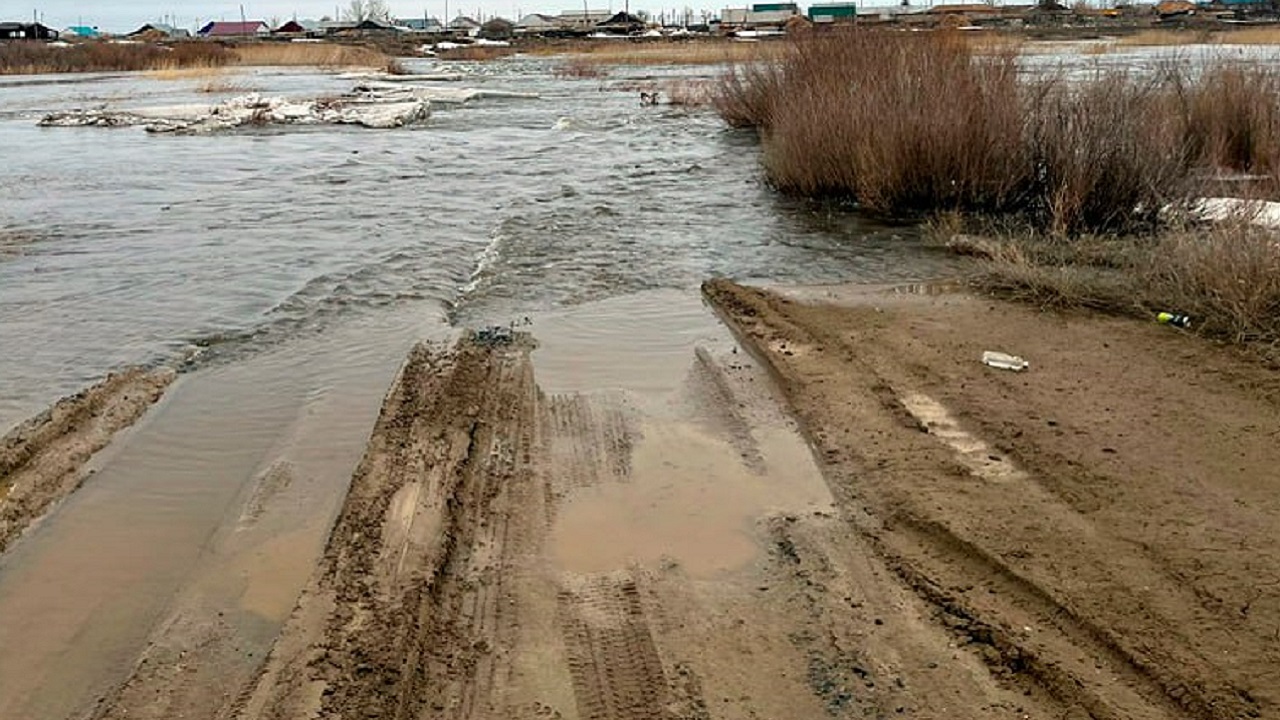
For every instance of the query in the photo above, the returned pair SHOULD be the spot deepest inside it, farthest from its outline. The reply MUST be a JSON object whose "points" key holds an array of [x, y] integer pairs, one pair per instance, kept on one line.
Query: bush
{"points": [[912, 123]]}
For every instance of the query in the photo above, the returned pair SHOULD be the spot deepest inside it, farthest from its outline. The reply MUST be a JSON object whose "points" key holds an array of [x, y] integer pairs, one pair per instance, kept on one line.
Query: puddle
{"points": [[708, 461], [689, 500]]}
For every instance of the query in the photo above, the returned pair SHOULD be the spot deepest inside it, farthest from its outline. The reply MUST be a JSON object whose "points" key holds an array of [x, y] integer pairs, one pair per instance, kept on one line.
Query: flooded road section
{"points": [[288, 274]]}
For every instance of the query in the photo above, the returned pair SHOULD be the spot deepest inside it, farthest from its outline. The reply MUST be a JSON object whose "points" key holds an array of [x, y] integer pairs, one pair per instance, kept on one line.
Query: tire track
{"points": [[617, 673]]}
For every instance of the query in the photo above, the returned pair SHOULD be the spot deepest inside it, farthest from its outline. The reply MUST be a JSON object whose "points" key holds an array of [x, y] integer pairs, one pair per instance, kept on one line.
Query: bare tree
{"points": [[361, 10]]}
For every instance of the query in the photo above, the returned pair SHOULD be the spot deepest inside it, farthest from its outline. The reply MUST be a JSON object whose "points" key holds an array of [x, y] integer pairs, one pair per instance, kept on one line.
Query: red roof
{"points": [[221, 28]]}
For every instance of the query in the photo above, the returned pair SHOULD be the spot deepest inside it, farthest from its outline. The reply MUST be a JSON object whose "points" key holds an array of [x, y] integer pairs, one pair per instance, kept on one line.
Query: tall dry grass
{"points": [[702, 51], [30, 58], [917, 123], [1226, 277], [1231, 117], [326, 55], [1266, 35]]}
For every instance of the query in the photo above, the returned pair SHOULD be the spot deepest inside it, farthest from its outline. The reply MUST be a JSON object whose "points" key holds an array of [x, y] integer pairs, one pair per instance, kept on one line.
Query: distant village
{"points": [[755, 21]]}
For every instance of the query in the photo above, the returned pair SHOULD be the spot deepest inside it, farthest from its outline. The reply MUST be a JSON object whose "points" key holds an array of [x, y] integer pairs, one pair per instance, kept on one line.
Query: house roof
{"points": [[537, 20], [623, 19], [594, 16], [83, 31], [221, 28], [965, 9], [419, 23], [162, 28], [462, 21]]}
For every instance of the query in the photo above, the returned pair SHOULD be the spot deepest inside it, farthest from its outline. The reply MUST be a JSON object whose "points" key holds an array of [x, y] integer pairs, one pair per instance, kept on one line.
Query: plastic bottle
{"points": [[1004, 361], [1175, 319]]}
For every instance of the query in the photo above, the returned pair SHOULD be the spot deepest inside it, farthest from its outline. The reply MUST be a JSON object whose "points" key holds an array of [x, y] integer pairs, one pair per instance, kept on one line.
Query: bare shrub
{"points": [[689, 93], [580, 67], [746, 93], [909, 124], [1107, 154], [902, 122], [1232, 117]]}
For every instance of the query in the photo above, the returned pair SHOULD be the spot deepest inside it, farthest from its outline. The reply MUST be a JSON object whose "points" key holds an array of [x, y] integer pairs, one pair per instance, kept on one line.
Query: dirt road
{"points": [[475, 571], [1100, 528], [844, 514]]}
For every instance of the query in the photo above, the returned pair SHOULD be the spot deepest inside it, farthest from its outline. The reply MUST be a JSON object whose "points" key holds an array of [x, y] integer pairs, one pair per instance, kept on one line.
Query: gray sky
{"points": [[125, 15]]}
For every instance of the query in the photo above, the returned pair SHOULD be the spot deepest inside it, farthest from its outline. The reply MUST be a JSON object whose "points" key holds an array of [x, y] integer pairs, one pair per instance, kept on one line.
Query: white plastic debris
{"points": [[1004, 361]]}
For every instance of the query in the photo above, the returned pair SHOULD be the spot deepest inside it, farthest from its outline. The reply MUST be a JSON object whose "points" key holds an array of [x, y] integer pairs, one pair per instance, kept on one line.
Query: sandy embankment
{"points": [[1090, 538], [42, 460], [1102, 526]]}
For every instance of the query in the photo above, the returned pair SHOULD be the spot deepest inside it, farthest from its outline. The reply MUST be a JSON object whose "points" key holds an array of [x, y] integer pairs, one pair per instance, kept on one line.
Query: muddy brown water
{"points": [[288, 273]]}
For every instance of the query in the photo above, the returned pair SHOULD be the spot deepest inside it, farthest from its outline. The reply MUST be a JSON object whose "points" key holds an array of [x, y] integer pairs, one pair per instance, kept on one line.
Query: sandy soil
{"points": [[1100, 528], [43, 459], [853, 518], [504, 553]]}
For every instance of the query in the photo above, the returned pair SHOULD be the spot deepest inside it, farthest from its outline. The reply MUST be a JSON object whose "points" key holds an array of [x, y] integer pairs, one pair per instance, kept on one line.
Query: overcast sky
{"points": [[125, 15]]}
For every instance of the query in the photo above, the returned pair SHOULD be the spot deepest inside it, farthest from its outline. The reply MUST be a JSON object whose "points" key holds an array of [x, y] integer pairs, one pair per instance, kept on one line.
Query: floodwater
{"points": [[288, 271], [118, 247]]}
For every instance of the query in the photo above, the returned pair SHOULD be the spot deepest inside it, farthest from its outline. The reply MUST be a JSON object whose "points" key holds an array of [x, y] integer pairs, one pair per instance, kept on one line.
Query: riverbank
{"points": [[43, 459], [30, 58], [844, 494], [1097, 527]]}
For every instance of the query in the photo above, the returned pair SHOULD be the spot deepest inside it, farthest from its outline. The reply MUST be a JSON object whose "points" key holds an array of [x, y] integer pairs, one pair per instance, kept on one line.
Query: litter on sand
{"points": [[1004, 361]]}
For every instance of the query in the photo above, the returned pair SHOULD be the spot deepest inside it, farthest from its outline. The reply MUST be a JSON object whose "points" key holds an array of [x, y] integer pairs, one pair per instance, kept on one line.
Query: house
{"points": [[537, 24], [421, 25], [221, 28], [335, 27], [835, 12], [307, 28], [759, 15], [370, 25], [1174, 8], [82, 31], [26, 31], [463, 25], [623, 23], [160, 31], [584, 20], [497, 29]]}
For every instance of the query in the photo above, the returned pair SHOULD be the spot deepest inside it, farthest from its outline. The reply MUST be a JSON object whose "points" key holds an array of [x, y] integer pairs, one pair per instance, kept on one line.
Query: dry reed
{"points": [[1225, 276], [30, 58], [185, 57], [325, 55], [659, 52], [910, 124]]}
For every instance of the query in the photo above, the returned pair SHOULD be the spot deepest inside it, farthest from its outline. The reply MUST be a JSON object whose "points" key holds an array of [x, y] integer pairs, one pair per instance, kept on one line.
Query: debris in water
{"points": [[367, 109], [494, 335]]}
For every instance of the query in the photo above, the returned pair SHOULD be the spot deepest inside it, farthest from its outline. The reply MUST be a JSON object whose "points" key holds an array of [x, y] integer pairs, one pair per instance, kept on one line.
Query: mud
{"points": [[1099, 529], [43, 459], [844, 515], [508, 553]]}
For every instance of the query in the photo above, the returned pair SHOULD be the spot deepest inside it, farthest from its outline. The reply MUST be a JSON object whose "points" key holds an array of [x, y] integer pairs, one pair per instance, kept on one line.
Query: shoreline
{"points": [[45, 458], [829, 483]]}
